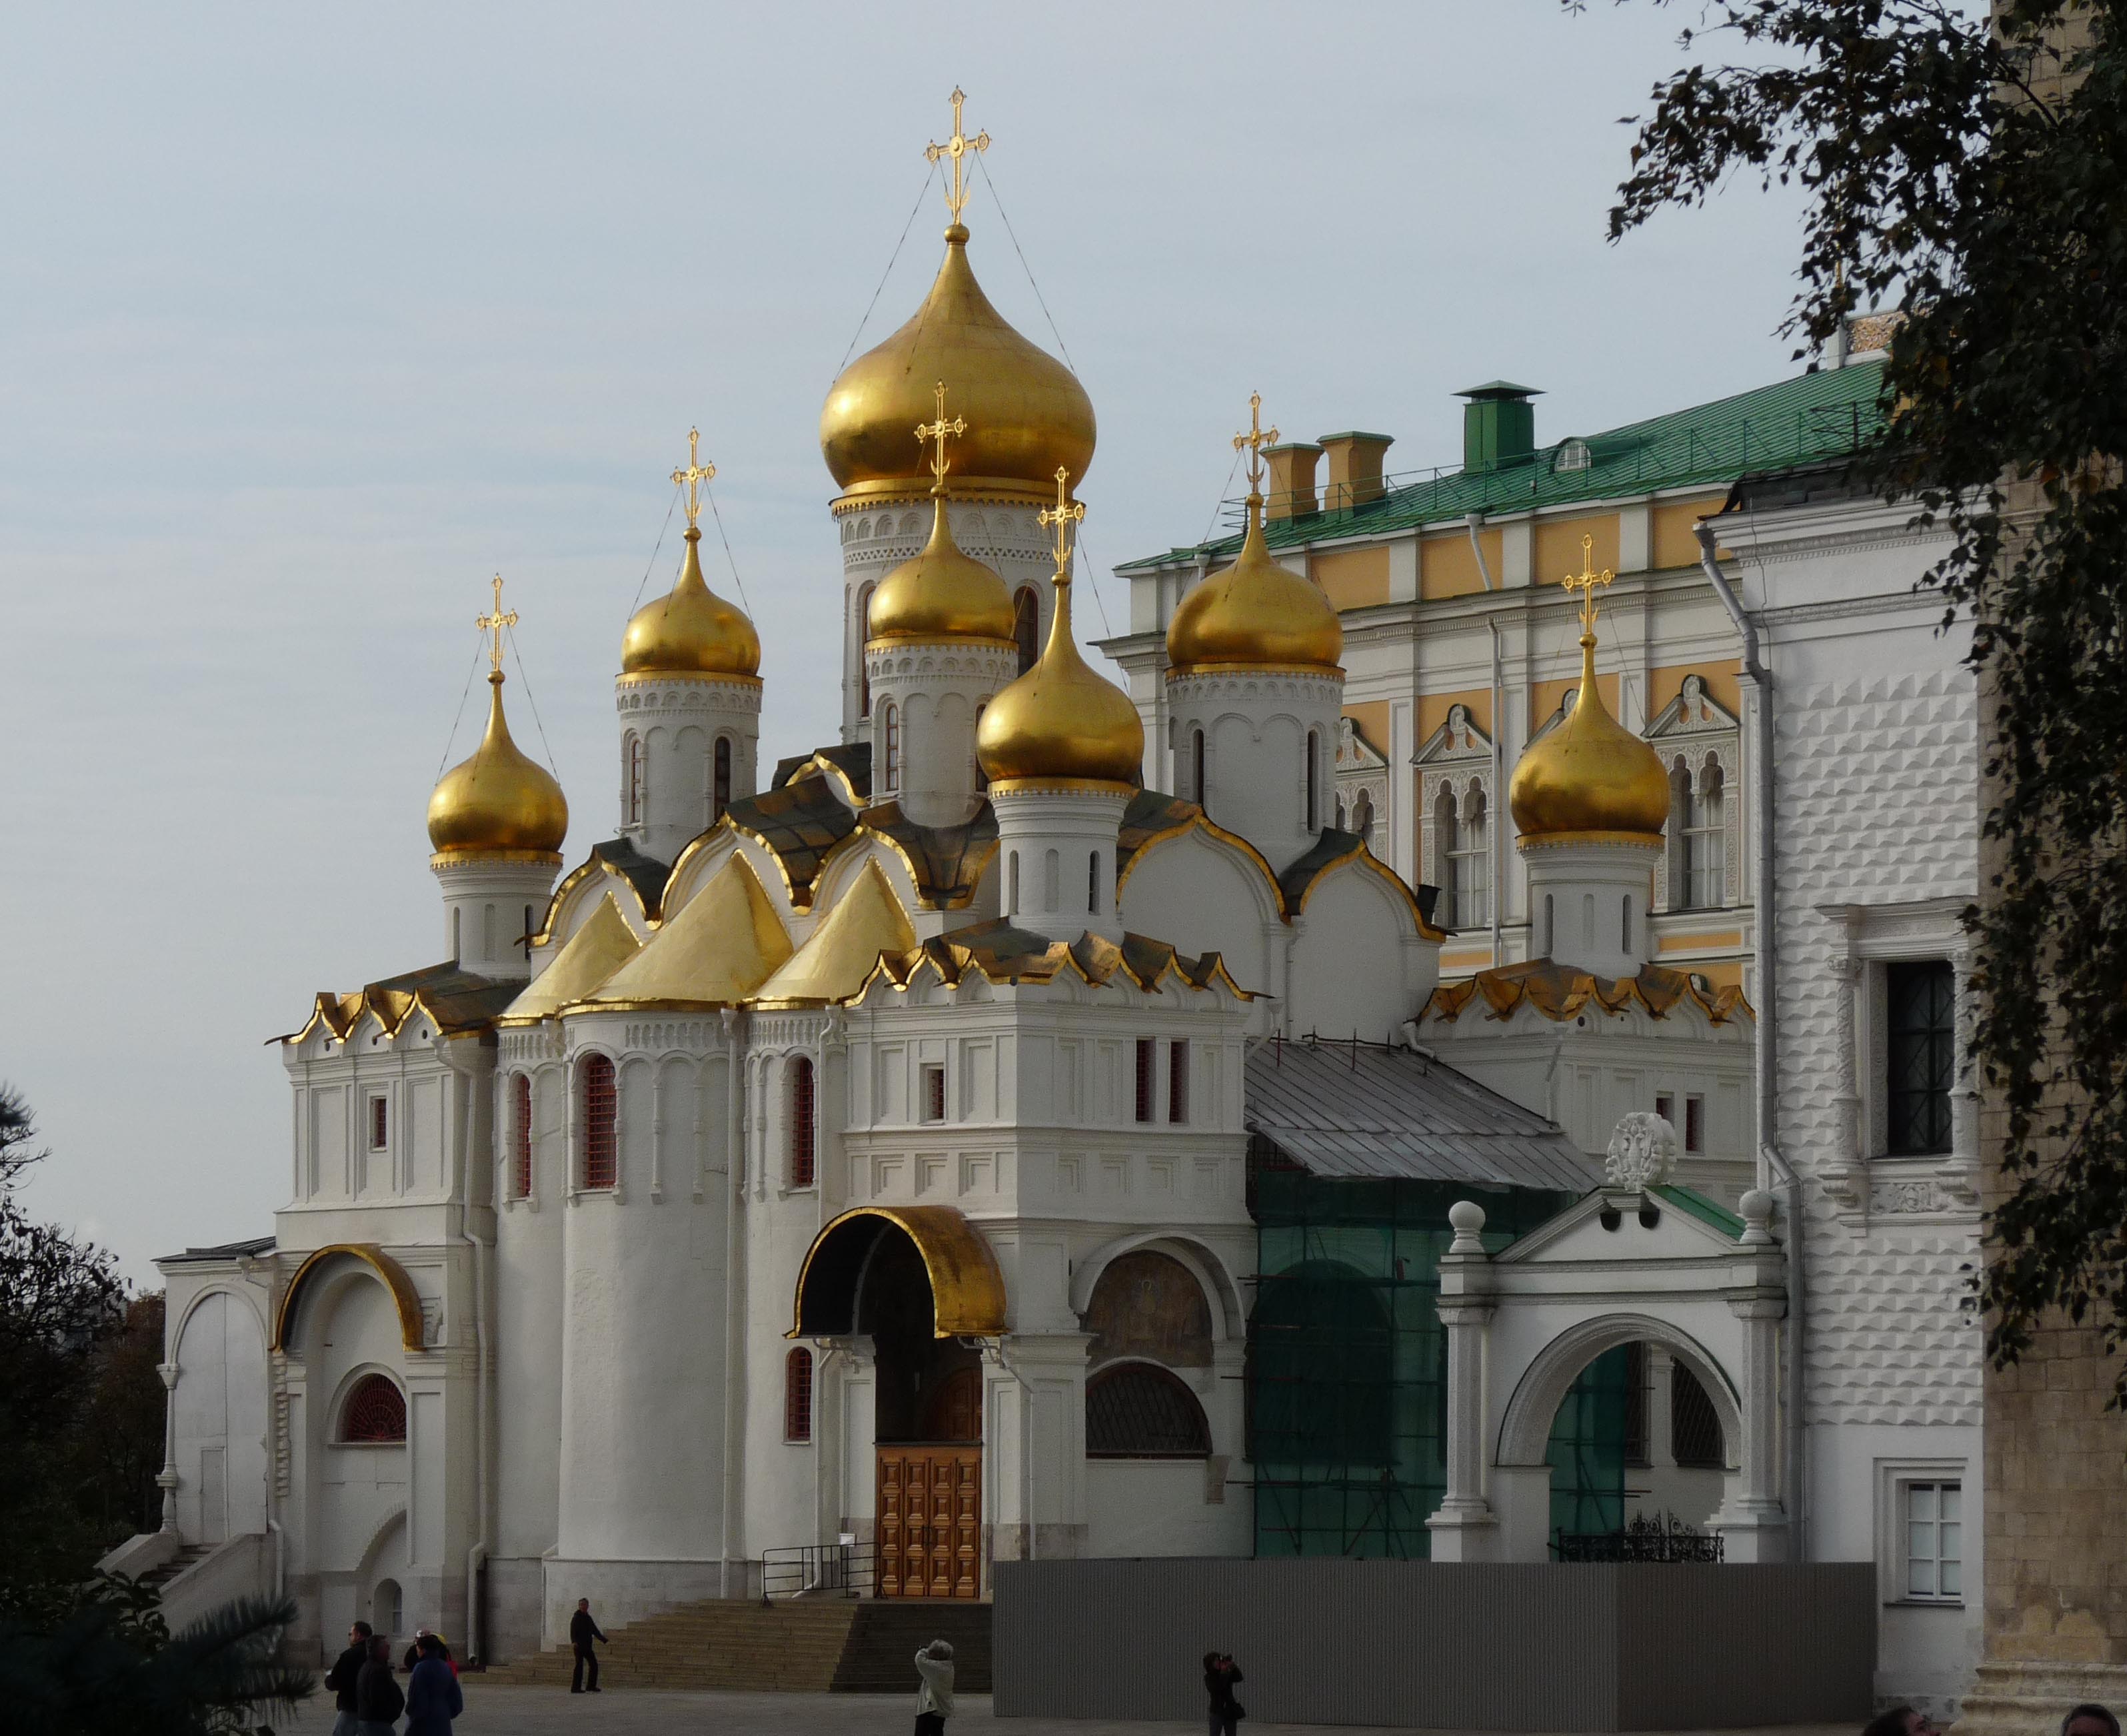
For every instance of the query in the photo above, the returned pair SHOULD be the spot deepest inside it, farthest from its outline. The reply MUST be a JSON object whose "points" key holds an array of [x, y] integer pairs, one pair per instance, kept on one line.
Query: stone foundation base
{"points": [[2031, 1699]]}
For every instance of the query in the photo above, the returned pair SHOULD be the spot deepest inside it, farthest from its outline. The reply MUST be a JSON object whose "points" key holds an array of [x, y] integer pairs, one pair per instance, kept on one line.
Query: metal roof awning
{"points": [[1363, 1109]]}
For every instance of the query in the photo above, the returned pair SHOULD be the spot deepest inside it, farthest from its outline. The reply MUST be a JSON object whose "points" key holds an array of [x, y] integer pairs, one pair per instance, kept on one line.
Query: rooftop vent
{"points": [[1499, 424]]}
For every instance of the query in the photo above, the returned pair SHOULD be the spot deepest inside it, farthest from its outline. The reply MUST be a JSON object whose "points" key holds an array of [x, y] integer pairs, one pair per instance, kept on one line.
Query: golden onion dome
{"points": [[1061, 719], [497, 801], [940, 594], [1026, 411], [691, 632], [1256, 612], [1591, 774]]}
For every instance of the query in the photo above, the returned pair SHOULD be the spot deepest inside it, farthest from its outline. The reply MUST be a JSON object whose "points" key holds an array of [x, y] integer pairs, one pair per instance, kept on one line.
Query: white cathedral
{"points": [[867, 1151]]}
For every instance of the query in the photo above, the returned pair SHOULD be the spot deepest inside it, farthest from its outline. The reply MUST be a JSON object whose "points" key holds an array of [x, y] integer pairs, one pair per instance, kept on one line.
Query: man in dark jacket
{"points": [[377, 1699], [582, 1631], [339, 1679]]}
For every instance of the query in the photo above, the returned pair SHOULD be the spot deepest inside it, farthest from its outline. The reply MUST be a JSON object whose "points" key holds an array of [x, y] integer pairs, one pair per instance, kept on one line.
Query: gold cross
{"points": [[494, 623], [1066, 514], [695, 474], [1588, 581], [1256, 439], [957, 147], [938, 431]]}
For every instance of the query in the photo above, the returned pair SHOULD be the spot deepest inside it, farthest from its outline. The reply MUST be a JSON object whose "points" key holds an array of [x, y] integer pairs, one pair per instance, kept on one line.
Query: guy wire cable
{"points": [[921, 191], [729, 559], [480, 644], [651, 565], [1023, 265], [532, 702]]}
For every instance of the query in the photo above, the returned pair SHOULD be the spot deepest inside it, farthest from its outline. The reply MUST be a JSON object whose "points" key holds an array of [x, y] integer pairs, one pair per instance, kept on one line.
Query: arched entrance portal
{"points": [[922, 1285]]}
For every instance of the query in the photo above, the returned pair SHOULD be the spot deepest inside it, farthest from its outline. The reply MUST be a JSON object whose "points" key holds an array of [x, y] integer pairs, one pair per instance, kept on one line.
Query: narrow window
{"points": [[1625, 926], [1550, 920], [1935, 1541], [798, 1395], [934, 1092], [1146, 1066], [520, 1137], [1052, 875], [803, 1121], [1093, 884], [1695, 1440], [458, 951], [863, 662], [525, 933], [1363, 818], [1197, 769], [1314, 824], [1469, 865], [1447, 859], [1011, 865], [1705, 853], [891, 720], [375, 1413], [380, 1124], [1665, 1107], [1026, 628], [1920, 1061], [981, 777], [601, 1109], [1178, 1082], [634, 777], [720, 791], [1694, 1123], [487, 935]]}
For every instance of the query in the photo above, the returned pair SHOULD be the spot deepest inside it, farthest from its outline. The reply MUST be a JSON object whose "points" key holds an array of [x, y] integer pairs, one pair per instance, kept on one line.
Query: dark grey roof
{"points": [[226, 1250], [1341, 1109]]}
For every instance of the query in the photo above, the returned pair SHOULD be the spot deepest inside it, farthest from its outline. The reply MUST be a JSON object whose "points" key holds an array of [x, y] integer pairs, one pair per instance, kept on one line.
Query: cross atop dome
{"points": [[941, 431], [1065, 513], [693, 474], [495, 624], [1587, 582], [1255, 440], [957, 148]]}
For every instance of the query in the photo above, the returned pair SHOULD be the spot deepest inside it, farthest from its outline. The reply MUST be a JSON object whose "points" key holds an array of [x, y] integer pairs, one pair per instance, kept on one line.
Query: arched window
{"points": [[804, 1122], [600, 1108], [458, 930], [1705, 854], [1134, 1410], [890, 728], [1363, 818], [1197, 770], [720, 789], [1052, 880], [1469, 844], [634, 775], [1027, 626], [1313, 822], [1625, 926], [863, 662], [1012, 894], [1550, 924], [1093, 884], [375, 1412], [798, 1395], [520, 1137]]}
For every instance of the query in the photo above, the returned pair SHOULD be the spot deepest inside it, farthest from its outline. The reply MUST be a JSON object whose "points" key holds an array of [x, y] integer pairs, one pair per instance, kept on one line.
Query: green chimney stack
{"points": [[1499, 424]]}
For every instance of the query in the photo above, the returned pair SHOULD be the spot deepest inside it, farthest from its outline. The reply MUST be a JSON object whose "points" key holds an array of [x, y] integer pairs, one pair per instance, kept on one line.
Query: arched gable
{"points": [[1229, 1317], [1202, 891], [393, 1276], [576, 899], [1361, 965], [1525, 1425]]}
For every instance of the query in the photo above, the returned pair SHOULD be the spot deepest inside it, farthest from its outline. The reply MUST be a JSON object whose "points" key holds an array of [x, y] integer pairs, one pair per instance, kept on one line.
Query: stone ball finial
{"points": [[1642, 1152], [1467, 1218], [1757, 1208]]}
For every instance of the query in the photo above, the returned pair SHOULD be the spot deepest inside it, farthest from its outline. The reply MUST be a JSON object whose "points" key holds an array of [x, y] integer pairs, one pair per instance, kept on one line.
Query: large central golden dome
{"points": [[1591, 774], [1061, 719], [1256, 613], [1026, 413]]}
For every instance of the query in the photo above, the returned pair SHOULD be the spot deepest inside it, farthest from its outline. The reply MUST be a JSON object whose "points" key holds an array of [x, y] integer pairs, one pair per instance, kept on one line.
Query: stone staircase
{"points": [[843, 1645], [190, 1555]]}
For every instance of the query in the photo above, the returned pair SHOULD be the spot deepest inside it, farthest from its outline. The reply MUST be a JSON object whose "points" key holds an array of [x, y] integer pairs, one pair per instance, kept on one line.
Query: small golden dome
{"points": [[1061, 719], [498, 801], [940, 594], [692, 632], [1255, 612], [1590, 774], [1026, 413]]}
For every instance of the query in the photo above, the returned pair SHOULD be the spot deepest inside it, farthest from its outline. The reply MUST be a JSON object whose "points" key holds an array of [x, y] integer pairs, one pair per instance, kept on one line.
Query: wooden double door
{"points": [[930, 1520]]}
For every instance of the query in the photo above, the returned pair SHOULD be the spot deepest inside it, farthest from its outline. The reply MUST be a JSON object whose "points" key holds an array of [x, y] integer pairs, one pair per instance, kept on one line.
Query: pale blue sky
{"points": [[308, 322]]}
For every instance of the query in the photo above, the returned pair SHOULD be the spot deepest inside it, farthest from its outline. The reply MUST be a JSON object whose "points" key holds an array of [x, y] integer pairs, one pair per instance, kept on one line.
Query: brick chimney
{"points": [[1355, 468], [1292, 493]]}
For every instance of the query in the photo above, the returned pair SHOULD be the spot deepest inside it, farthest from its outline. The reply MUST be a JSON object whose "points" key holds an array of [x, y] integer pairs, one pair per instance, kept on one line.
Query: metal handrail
{"points": [[816, 1569]]}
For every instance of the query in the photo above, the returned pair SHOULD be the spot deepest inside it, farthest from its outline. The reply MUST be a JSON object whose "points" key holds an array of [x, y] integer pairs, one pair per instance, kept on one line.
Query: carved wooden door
{"points": [[930, 1521]]}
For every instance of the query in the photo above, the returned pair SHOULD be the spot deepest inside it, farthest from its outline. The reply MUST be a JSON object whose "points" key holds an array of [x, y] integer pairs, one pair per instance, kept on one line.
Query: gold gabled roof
{"points": [[594, 952], [837, 961], [723, 943]]}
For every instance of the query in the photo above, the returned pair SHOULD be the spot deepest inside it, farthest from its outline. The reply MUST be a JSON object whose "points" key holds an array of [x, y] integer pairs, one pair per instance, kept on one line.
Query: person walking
{"points": [[1221, 1677], [582, 1632], [413, 1650], [378, 1700], [339, 1679], [432, 1696], [934, 1692]]}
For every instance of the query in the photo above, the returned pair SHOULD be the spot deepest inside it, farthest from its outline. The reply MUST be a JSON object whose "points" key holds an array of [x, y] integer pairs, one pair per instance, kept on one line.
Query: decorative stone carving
{"points": [[1642, 1153]]}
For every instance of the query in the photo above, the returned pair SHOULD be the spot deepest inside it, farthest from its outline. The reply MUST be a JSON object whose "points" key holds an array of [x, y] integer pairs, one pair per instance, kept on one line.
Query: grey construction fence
{"points": [[1442, 1645]]}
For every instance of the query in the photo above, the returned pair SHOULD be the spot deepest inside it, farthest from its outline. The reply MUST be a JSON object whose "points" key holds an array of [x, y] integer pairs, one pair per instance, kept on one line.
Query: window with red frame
{"points": [[380, 1124], [798, 1395], [601, 1151], [520, 1137], [720, 791], [375, 1411], [1146, 1067], [1178, 1082], [803, 1123]]}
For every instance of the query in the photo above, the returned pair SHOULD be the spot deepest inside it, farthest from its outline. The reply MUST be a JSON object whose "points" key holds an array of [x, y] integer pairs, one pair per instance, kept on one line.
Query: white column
{"points": [[1752, 1522], [166, 1480], [1464, 1528]]}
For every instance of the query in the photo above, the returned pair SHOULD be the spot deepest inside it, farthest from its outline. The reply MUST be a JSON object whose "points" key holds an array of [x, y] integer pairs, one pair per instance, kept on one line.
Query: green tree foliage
{"points": [[1973, 172]]}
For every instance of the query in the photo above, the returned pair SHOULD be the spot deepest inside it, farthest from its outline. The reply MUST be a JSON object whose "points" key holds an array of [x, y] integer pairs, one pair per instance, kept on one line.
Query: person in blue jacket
{"points": [[432, 1699]]}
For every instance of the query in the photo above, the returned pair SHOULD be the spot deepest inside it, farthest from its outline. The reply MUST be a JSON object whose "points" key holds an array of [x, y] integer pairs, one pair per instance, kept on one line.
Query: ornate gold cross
{"points": [[494, 623], [957, 148], [1588, 581], [938, 431], [693, 475], [1066, 512], [1256, 439]]}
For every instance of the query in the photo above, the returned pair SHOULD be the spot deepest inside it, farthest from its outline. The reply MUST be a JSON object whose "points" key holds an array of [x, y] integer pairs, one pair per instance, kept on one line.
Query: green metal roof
{"points": [[1808, 418], [1691, 1200]]}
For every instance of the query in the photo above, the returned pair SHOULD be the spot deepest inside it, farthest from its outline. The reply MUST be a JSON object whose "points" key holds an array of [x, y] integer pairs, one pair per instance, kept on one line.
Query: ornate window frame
{"points": [[1455, 760], [1697, 731], [1358, 769]]}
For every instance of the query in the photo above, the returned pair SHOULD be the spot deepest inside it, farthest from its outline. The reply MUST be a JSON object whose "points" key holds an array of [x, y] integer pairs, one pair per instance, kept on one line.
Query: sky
{"points": [[311, 321]]}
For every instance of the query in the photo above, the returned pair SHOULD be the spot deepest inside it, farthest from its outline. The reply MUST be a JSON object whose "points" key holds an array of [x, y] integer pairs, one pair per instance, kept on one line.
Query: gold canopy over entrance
{"points": [[967, 1288]]}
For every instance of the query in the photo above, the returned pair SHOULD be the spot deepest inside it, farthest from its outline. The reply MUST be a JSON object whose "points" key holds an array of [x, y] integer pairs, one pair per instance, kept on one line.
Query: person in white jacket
{"points": [[933, 1696]]}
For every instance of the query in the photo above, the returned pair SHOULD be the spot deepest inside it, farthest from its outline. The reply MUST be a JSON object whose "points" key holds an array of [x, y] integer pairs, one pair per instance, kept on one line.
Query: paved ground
{"points": [[552, 1712]]}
